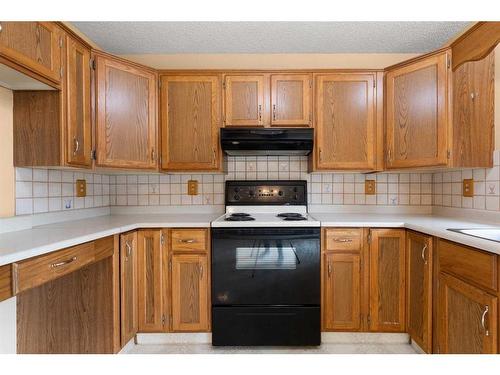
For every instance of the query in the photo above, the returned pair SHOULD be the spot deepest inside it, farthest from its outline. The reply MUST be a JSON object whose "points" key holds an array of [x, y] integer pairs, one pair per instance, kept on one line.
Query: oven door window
{"points": [[267, 256]]}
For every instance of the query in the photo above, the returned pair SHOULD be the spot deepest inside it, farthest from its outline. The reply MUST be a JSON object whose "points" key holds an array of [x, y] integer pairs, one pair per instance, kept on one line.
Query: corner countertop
{"points": [[23, 244], [429, 224]]}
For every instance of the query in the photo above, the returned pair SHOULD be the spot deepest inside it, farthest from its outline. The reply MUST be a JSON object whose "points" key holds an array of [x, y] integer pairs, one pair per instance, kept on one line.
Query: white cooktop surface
{"points": [[266, 216]]}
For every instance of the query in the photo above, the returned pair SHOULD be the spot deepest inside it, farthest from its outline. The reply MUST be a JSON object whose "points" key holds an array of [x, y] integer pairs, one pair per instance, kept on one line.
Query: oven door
{"points": [[265, 266]]}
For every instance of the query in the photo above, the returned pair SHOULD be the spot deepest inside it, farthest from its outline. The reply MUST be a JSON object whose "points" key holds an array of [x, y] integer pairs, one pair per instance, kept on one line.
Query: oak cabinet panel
{"points": [[5, 282], [128, 282], [151, 281], [190, 118], [33, 45], [387, 280], [473, 113], [419, 289], [78, 108], [244, 100], [345, 121], [291, 99], [125, 115], [467, 318], [417, 118], [342, 292], [190, 311]]}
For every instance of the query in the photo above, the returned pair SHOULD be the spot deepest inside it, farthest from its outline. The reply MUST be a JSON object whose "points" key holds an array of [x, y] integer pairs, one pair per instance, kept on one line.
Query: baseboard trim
{"points": [[173, 338], [363, 338]]}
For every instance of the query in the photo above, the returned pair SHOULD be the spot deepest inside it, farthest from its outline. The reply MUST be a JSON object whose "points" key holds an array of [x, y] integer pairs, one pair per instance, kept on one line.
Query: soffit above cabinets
{"points": [[270, 37]]}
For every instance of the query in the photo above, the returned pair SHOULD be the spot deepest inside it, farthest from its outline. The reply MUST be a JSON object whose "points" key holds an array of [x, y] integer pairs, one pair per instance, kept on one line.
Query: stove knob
{"points": [[236, 197], [296, 197], [280, 193], [251, 193], [236, 189]]}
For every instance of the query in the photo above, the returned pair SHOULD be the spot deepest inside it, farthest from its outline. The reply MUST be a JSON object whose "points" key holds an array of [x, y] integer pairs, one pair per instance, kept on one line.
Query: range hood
{"points": [[266, 141]]}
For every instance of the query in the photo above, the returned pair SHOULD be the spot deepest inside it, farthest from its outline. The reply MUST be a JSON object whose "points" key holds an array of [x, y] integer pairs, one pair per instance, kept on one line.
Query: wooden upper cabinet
{"points": [[33, 45], [467, 318], [419, 289], [244, 100], [345, 121], [190, 122], [417, 112], [125, 115], [473, 113], [128, 282], [78, 108], [342, 292], [387, 280], [291, 99], [152, 290], [190, 304]]}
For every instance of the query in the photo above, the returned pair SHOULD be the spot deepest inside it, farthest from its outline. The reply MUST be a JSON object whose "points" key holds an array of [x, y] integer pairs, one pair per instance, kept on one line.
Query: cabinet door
{"points": [[152, 288], [342, 292], [473, 113], [244, 100], [190, 292], [417, 116], [387, 280], [128, 284], [77, 97], [467, 318], [291, 99], [190, 118], [345, 121], [34, 45], [125, 115], [419, 289]]}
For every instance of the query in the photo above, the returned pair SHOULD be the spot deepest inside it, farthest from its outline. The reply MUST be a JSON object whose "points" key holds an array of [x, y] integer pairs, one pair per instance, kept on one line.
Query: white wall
{"points": [[8, 326]]}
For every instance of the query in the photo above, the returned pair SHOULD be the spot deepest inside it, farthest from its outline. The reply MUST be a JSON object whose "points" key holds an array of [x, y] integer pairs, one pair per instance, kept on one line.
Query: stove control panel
{"points": [[266, 193]]}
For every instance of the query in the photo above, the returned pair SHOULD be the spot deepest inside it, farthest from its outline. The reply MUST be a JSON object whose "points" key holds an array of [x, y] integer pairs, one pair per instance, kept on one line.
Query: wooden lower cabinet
{"points": [[152, 288], [128, 282], [467, 318], [190, 311], [387, 280], [342, 292], [419, 289]]}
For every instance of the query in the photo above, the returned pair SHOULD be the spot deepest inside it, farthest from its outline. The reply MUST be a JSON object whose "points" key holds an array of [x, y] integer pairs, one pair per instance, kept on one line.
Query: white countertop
{"points": [[23, 244], [428, 224]]}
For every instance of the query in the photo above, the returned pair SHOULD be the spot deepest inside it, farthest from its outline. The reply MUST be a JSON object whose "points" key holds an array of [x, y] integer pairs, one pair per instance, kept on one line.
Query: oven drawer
{"points": [[266, 325], [343, 239], [189, 239]]}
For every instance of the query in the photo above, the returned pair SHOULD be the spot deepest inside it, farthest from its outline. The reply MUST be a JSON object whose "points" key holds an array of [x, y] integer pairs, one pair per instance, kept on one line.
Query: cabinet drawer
{"points": [[343, 239], [189, 239], [36, 271], [5, 282], [473, 265]]}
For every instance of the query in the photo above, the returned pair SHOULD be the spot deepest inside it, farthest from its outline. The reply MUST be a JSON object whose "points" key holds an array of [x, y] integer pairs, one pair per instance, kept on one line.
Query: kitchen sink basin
{"points": [[492, 234]]}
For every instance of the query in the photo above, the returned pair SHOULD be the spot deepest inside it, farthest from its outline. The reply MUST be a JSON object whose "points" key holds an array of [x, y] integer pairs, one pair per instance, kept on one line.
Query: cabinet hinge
{"points": [[448, 154], [374, 83], [61, 71], [369, 238], [223, 85], [368, 319], [162, 239], [93, 155], [163, 319], [448, 62], [60, 42], [310, 83], [92, 64], [159, 83], [170, 264]]}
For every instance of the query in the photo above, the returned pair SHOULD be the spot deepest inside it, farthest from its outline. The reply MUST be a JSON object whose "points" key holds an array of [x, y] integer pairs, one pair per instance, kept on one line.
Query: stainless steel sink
{"points": [[492, 234]]}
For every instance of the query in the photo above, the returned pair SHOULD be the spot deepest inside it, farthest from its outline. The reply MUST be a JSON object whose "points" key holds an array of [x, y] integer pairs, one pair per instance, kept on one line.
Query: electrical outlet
{"points": [[468, 187], [193, 187], [370, 187], [81, 188]]}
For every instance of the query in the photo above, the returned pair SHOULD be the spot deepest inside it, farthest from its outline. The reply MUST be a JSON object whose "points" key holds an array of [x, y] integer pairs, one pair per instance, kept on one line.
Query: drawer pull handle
{"points": [[423, 253], [187, 241], [342, 240], [483, 319], [63, 263]]}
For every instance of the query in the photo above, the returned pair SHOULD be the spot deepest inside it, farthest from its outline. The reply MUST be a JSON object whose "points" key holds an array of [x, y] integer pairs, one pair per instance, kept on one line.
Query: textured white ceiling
{"points": [[270, 37]]}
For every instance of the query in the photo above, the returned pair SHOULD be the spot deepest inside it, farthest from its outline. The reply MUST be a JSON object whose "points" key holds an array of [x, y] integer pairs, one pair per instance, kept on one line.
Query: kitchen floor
{"points": [[323, 349]]}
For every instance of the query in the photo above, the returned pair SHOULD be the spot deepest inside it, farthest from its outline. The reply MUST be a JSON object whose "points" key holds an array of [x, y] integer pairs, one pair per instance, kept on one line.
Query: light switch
{"points": [[468, 187], [370, 187], [81, 188], [193, 187]]}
